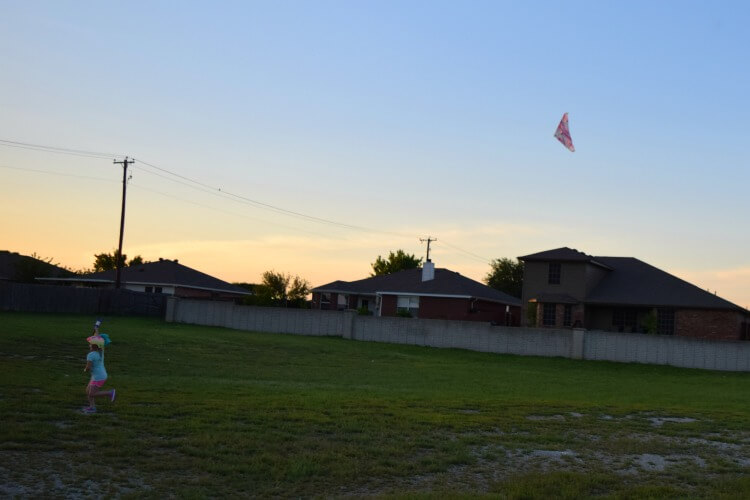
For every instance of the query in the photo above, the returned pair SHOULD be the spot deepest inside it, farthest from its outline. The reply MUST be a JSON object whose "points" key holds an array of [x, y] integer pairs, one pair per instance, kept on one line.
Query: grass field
{"points": [[210, 412]]}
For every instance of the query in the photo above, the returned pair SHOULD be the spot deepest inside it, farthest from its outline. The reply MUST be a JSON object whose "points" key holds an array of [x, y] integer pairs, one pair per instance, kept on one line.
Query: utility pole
{"points": [[118, 257], [428, 240]]}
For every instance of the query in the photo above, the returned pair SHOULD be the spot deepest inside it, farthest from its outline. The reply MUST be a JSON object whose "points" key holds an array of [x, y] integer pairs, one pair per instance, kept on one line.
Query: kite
{"points": [[563, 134]]}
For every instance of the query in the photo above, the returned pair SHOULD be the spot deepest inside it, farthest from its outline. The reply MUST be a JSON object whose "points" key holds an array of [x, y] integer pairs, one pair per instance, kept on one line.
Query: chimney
{"points": [[428, 271]]}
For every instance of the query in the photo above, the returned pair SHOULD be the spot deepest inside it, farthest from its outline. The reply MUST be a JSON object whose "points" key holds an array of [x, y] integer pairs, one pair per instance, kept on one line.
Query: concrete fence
{"points": [[575, 344]]}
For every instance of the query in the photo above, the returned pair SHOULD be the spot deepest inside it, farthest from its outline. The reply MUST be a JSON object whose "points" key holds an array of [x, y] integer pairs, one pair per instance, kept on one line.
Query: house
{"points": [[164, 276], [24, 268], [422, 293], [567, 288]]}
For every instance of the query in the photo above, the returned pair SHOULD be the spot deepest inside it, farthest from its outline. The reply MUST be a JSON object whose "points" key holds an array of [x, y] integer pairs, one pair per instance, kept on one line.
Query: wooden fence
{"points": [[75, 300]]}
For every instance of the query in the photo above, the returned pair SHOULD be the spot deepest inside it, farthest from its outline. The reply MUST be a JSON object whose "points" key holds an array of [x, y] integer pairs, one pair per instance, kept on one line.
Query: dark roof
{"points": [[14, 267], [563, 254], [163, 272], [633, 282], [446, 283]]}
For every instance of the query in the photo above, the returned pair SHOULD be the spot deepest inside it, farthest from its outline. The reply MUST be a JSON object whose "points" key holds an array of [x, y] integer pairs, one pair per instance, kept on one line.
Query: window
{"points": [[553, 277], [407, 303], [157, 289], [343, 302], [665, 321], [567, 315], [549, 314], [149, 289], [624, 320], [325, 300]]}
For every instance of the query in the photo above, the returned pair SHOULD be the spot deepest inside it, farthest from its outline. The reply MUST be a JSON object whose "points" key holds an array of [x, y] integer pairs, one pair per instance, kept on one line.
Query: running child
{"points": [[95, 364]]}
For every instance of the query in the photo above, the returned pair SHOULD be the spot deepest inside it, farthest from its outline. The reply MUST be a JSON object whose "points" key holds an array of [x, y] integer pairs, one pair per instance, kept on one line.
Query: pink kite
{"points": [[563, 134]]}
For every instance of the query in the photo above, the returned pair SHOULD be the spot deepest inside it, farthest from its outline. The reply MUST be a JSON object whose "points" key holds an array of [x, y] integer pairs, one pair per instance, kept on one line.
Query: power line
{"points": [[261, 204], [206, 188], [54, 149], [212, 189], [50, 172], [216, 191], [475, 256], [160, 193], [235, 214]]}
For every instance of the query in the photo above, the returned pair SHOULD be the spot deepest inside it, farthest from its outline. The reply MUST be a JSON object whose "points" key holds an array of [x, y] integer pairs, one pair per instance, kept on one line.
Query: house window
{"points": [[665, 321], [365, 304], [157, 289], [548, 314], [553, 278], [407, 303], [567, 315], [624, 320], [325, 300], [149, 289]]}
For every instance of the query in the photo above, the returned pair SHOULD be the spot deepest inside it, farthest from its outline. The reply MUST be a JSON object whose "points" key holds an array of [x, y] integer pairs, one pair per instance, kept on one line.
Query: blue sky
{"points": [[407, 118]]}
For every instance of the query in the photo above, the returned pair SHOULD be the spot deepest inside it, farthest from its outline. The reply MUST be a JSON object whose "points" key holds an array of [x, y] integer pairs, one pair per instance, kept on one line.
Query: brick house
{"points": [[568, 288], [422, 293], [164, 276]]}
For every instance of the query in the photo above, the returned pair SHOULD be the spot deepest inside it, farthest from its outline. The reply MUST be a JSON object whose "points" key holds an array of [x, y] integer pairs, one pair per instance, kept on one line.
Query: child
{"points": [[95, 364]]}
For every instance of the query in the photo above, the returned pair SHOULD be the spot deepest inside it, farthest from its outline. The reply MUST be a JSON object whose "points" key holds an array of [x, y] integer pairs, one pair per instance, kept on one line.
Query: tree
{"points": [[298, 291], [108, 261], [136, 261], [281, 289], [396, 262], [28, 268], [506, 276]]}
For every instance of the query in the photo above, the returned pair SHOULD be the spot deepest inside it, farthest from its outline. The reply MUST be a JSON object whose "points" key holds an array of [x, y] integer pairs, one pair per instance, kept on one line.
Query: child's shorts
{"points": [[97, 383]]}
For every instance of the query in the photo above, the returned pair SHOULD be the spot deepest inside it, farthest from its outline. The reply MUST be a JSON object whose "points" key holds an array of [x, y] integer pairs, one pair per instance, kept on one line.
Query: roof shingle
{"points": [[409, 281], [163, 272]]}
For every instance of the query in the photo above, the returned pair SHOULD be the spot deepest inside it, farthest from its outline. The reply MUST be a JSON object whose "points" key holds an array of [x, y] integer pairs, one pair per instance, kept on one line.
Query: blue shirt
{"points": [[97, 366]]}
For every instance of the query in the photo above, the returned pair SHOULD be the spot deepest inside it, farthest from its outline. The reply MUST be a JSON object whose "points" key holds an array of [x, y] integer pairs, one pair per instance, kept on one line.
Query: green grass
{"points": [[210, 412]]}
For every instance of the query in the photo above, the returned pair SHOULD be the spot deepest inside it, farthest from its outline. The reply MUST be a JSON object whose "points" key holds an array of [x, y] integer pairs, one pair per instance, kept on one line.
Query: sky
{"points": [[311, 137]]}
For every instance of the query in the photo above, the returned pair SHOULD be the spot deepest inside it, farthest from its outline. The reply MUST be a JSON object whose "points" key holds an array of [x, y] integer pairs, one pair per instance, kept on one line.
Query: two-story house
{"points": [[568, 288]]}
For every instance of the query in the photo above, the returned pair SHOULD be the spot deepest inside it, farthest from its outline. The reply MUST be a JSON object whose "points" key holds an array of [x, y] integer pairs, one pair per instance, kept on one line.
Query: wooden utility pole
{"points": [[428, 240], [118, 257]]}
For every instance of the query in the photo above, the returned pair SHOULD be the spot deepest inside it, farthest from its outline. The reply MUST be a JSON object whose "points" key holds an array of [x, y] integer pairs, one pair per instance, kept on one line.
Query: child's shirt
{"points": [[97, 366]]}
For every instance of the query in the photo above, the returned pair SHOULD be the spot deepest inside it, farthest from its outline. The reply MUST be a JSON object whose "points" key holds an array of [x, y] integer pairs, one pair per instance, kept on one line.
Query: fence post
{"points": [[576, 347], [348, 326], [170, 309]]}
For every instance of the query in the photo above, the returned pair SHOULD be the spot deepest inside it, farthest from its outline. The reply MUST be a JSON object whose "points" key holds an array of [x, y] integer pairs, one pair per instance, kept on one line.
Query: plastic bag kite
{"points": [[563, 133]]}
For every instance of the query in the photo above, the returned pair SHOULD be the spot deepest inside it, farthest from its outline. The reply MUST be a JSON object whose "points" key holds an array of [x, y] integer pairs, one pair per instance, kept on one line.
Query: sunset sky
{"points": [[311, 137]]}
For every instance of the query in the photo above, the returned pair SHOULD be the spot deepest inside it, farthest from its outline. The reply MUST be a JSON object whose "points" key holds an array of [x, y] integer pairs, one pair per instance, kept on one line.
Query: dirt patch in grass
{"points": [[684, 460]]}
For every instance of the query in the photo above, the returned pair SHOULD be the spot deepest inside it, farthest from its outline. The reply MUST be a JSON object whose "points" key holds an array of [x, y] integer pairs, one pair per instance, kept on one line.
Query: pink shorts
{"points": [[97, 383]]}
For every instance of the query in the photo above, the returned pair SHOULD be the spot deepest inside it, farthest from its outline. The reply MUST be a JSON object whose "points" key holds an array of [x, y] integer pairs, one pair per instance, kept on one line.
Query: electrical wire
{"points": [[470, 254], [206, 188], [210, 189], [54, 149], [137, 186], [62, 174], [257, 203]]}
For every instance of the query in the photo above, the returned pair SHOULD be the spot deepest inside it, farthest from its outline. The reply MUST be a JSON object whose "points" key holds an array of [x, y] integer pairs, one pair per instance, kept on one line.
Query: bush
{"points": [[363, 311]]}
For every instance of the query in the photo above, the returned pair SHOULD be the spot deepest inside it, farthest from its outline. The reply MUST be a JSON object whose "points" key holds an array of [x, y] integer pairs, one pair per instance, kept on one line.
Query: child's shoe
{"points": [[112, 397], [89, 409]]}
